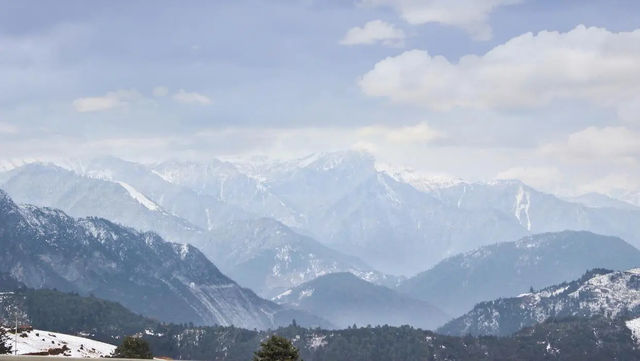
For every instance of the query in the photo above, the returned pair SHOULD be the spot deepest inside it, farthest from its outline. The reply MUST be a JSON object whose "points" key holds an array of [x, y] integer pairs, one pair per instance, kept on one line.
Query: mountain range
{"points": [[395, 222], [45, 248], [261, 266], [269, 257], [507, 269], [273, 226]]}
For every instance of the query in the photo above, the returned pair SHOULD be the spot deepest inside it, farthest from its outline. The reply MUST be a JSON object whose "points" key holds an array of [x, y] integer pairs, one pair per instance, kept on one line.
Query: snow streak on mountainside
{"points": [[45, 248], [49, 343], [634, 326], [597, 293], [135, 194]]}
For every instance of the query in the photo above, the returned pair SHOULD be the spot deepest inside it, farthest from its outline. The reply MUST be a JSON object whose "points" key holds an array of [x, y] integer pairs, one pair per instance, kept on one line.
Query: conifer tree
{"points": [[277, 348], [133, 347], [4, 348]]}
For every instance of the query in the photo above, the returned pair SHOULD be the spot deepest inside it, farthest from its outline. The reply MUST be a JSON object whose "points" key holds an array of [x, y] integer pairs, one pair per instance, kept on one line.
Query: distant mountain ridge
{"points": [[269, 257], [597, 200], [346, 202], [507, 269], [345, 299], [49, 185], [104, 196], [45, 248], [599, 292]]}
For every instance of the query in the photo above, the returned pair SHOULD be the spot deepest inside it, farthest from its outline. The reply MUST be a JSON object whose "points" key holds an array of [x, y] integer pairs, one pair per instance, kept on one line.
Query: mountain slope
{"points": [[510, 268], [539, 212], [385, 221], [598, 293], [45, 343], [345, 299], [268, 257], [225, 182], [45, 248], [80, 196], [203, 210]]}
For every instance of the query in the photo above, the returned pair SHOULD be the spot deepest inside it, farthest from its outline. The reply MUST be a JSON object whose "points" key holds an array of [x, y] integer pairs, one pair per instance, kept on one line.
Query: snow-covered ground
{"points": [[43, 341], [634, 326]]}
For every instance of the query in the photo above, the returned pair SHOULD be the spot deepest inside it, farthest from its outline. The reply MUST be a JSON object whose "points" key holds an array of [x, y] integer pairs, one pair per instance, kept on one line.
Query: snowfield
{"points": [[44, 341], [634, 326]]}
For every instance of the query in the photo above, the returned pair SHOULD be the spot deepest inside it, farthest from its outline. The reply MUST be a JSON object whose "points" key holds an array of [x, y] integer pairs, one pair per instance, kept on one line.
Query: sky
{"points": [[545, 91]]}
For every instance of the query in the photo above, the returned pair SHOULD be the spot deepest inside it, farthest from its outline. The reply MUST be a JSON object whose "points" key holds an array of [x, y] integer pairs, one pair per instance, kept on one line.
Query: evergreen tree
{"points": [[277, 348], [4, 348], [133, 347]]}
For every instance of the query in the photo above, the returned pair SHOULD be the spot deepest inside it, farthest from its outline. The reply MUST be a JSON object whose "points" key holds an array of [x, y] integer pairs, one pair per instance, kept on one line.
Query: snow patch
{"points": [[306, 293], [419, 180], [634, 326], [523, 202], [141, 198], [317, 341]]}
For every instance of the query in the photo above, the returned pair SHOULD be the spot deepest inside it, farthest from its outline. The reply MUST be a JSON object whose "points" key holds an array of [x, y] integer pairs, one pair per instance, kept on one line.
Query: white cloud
{"points": [[160, 91], [529, 71], [612, 143], [470, 15], [419, 133], [111, 100], [185, 97], [616, 185], [544, 178], [375, 31]]}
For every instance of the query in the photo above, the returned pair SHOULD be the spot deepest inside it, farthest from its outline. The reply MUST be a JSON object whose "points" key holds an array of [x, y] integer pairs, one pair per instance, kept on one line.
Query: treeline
{"points": [[567, 339]]}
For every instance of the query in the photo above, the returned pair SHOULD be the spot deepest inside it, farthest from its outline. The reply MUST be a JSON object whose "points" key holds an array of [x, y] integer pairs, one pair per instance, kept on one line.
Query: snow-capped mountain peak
{"points": [[419, 180]]}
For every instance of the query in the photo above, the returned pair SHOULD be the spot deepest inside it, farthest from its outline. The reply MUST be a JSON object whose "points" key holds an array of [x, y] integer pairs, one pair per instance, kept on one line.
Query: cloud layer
{"points": [[615, 144], [470, 15], [375, 31], [528, 71], [185, 97], [111, 100]]}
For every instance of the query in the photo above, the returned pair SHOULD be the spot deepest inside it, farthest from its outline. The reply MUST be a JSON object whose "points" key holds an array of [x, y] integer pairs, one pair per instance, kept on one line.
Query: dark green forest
{"points": [[565, 339]]}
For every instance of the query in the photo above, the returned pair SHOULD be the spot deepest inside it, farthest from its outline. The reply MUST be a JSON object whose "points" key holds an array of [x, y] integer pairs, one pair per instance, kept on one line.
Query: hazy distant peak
{"points": [[327, 161], [419, 180], [599, 200]]}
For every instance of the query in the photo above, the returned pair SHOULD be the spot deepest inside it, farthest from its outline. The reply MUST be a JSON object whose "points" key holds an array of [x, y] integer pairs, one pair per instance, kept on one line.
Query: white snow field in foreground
{"points": [[44, 341]]}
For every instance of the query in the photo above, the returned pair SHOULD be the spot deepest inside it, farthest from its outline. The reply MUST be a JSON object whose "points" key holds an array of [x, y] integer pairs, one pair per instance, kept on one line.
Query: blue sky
{"points": [[534, 89]]}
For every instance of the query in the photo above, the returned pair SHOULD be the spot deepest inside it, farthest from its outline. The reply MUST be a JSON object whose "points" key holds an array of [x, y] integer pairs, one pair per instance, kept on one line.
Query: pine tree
{"points": [[4, 348], [133, 347], [277, 348]]}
